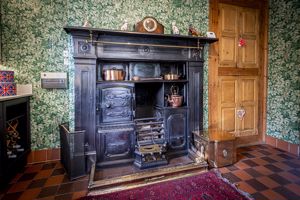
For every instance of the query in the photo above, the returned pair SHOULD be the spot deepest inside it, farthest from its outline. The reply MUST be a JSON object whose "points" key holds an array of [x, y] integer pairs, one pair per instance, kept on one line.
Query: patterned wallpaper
{"points": [[34, 41], [283, 111]]}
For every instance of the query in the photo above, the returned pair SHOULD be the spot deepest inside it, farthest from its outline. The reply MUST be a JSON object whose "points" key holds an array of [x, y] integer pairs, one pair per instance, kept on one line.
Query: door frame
{"points": [[262, 6]]}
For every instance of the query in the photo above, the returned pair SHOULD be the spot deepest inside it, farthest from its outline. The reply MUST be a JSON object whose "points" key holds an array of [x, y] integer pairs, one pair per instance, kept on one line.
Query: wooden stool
{"points": [[218, 146]]}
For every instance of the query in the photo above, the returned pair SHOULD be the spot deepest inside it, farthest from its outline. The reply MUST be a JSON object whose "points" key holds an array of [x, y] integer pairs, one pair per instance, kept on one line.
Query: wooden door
{"points": [[237, 74], [238, 94]]}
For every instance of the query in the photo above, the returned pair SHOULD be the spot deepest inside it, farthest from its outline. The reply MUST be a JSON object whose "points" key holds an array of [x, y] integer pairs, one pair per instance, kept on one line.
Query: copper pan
{"points": [[171, 76], [113, 74]]}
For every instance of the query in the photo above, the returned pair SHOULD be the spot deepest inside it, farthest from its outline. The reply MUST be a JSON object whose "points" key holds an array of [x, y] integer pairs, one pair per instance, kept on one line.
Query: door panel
{"points": [[228, 102], [228, 119], [248, 122], [228, 90], [248, 30], [248, 90], [248, 100], [228, 51], [249, 21], [249, 54], [228, 35], [229, 16]]}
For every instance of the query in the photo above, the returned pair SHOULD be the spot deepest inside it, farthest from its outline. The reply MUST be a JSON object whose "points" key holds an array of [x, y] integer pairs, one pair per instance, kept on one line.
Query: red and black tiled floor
{"points": [[266, 173], [263, 171], [44, 181]]}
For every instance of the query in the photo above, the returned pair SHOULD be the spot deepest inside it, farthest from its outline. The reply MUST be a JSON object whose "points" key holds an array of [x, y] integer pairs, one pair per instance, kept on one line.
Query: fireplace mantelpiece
{"points": [[107, 109]]}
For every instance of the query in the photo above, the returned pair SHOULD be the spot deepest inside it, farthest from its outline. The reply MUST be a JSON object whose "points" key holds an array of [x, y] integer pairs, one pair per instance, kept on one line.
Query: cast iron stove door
{"points": [[115, 143], [115, 102], [176, 124], [115, 135]]}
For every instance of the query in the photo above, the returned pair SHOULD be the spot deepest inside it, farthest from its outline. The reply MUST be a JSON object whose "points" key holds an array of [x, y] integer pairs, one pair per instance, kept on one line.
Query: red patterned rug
{"points": [[205, 186]]}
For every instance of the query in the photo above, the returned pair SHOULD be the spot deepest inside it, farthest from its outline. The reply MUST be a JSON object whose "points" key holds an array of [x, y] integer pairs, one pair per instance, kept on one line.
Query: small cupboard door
{"points": [[237, 24], [238, 105], [116, 143]]}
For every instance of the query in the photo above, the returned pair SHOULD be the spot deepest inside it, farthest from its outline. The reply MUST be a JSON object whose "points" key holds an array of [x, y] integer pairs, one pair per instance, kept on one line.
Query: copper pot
{"points": [[171, 76], [113, 74]]}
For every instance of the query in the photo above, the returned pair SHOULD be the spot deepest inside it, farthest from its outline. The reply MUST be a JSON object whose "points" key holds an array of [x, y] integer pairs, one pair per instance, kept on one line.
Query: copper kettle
{"points": [[175, 99]]}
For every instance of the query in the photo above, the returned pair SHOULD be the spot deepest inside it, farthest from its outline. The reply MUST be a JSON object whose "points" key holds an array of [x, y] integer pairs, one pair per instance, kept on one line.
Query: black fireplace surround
{"points": [[109, 110]]}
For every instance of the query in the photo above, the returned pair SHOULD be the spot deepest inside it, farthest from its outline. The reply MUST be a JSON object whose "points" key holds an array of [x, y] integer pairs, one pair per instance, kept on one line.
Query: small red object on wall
{"points": [[242, 42]]}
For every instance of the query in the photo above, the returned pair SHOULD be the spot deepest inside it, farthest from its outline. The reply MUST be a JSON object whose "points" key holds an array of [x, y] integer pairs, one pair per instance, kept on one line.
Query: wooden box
{"points": [[218, 146]]}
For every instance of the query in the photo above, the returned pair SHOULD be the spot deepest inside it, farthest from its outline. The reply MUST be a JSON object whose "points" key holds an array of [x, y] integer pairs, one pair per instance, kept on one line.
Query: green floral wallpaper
{"points": [[34, 41], [283, 110]]}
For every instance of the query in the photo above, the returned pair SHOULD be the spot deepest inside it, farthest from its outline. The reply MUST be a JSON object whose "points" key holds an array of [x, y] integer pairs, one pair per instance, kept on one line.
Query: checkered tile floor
{"points": [[262, 171], [266, 173]]}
